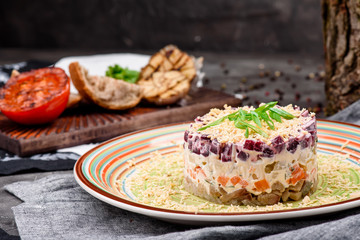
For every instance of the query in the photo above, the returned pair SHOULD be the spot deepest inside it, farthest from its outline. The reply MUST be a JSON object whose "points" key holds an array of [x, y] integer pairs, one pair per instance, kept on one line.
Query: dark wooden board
{"points": [[89, 123]]}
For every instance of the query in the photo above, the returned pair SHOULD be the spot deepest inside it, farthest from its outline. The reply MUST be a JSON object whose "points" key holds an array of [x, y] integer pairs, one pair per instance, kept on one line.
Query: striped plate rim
{"points": [[98, 185]]}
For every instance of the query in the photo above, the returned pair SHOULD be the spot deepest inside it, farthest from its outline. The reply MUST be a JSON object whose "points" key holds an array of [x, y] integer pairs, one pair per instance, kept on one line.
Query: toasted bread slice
{"points": [[167, 76], [172, 95], [106, 92], [14, 73], [74, 99]]}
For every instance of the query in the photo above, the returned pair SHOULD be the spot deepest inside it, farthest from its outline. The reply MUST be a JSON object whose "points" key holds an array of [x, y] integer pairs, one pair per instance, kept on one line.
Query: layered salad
{"points": [[252, 156]]}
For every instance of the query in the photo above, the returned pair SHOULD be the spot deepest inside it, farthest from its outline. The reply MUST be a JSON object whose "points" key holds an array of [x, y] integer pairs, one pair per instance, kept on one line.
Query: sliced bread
{"points": [[104, 91]]}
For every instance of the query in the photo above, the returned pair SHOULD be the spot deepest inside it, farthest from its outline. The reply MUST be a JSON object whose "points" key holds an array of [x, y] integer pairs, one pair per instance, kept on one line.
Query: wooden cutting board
{"points": [[89, 123]]}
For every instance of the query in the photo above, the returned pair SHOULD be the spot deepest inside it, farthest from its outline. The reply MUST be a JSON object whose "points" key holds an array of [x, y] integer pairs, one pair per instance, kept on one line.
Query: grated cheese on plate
{"points": [[158, 182]]}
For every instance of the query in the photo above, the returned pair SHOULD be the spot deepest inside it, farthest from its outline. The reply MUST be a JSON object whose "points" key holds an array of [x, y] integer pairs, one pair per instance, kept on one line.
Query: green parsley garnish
{"points": [[266, 113], [125, 74]]}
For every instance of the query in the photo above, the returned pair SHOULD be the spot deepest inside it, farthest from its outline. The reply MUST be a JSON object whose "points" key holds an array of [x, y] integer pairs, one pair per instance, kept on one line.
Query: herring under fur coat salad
{"points": [[249, 156]]}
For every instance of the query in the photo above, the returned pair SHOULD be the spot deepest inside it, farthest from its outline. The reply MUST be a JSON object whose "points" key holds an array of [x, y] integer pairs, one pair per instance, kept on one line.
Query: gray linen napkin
{"points": [[55, 207], [351, 114]]}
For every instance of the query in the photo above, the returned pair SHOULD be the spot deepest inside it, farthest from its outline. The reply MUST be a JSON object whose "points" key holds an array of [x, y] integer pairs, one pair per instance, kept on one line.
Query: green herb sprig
{"points": [[125, 74], [266, 113]]}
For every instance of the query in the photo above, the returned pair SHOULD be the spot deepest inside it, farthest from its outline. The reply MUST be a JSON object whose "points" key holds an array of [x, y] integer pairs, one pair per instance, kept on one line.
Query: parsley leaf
{"points": [[125, 74], [241, 118]]}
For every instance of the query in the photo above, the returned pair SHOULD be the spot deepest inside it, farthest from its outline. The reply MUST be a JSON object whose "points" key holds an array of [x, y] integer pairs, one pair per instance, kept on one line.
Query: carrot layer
{"points": [[262, 185], [223, 180]]}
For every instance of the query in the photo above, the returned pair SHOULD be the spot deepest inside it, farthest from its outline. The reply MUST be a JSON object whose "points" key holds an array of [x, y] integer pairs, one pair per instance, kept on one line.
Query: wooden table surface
{"points": [[289, 78]]}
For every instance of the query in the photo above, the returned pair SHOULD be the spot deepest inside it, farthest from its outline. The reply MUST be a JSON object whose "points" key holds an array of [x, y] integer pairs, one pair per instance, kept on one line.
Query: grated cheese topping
{"points": [[161, 185], [227, 132]]}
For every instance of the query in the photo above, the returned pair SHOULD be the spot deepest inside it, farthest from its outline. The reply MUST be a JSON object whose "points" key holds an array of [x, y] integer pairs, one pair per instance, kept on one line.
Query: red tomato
{"points": [[35, 97]]}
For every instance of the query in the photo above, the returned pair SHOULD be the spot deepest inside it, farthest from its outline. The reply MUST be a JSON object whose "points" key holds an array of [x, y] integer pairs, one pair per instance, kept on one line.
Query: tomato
{"points": [[35, 97]]}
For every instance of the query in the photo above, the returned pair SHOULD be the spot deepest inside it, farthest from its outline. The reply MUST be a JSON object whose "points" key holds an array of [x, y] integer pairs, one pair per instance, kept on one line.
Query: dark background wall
{"points": [[263, 26]]}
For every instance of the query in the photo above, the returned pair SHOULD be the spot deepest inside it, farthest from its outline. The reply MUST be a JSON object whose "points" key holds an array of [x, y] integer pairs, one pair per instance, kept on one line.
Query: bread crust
{"points": [[74, 99], [104, 91]]}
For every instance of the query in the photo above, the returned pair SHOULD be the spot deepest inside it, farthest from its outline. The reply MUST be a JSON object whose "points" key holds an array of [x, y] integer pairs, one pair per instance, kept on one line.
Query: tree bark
{"points": [[341, 29]]}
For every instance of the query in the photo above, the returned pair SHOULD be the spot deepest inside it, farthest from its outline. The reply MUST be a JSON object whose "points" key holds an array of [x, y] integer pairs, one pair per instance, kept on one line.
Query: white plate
{"points": [[98, 64]]}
